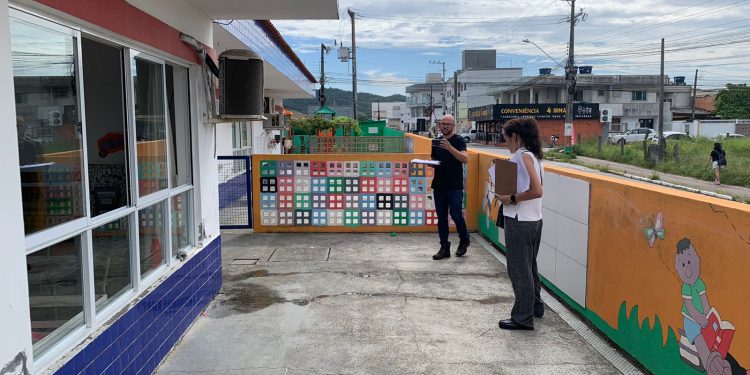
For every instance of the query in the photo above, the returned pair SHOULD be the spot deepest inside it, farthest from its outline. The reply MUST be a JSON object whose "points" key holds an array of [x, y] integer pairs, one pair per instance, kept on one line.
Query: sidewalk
{"points": [[369, 304], [740, 192]]}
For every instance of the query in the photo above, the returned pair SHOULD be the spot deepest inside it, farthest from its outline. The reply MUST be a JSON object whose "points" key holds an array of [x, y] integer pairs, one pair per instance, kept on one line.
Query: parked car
{"points": [[728, 136], [471, 136], [670, 136], [633, 135]]}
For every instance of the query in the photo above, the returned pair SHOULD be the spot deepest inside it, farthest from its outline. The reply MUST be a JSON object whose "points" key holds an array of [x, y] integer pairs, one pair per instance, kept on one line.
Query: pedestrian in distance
{"points": [[718, 161], [448, 186], [522, 215]]}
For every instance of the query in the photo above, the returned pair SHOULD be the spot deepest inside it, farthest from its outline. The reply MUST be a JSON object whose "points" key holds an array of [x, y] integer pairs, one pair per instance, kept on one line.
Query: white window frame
{"points": [[83, 226]]}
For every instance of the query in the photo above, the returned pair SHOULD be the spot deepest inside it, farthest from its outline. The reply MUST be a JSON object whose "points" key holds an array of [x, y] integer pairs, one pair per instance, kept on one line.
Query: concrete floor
{"points": [[372, 304]]}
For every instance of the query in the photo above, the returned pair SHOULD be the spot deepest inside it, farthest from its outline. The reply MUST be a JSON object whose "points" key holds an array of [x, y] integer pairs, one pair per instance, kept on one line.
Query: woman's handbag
{"points": [[500, 218]]}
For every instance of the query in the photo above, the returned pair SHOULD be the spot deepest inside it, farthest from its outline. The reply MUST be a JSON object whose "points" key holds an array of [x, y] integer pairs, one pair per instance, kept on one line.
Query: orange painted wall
{"points": [[623, 267]]}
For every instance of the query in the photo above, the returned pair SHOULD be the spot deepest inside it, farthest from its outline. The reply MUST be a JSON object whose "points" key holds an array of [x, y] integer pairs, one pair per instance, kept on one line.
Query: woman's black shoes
{"points": [[511, 325]]}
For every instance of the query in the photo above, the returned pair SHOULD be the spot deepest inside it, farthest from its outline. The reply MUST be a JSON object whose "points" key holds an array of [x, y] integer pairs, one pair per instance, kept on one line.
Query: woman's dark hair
{"points": [[717, 146], [528, 130]]}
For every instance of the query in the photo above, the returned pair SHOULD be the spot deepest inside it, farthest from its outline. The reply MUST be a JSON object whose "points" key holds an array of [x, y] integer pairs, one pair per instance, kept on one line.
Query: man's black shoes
{"points": [[462, 247], [509, 324], [444, 252]]}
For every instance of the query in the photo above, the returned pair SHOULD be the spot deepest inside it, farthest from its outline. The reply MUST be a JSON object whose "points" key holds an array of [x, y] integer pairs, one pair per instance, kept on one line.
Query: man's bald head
{"points": [[448, 119]]}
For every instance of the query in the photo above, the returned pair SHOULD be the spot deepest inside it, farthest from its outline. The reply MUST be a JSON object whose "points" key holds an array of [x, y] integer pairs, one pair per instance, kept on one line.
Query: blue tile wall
{"points": [[141, 337]]}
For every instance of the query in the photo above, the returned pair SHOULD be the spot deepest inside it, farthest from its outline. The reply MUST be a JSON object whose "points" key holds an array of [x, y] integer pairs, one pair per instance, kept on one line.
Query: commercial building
{"points": [[110, 189], [631, 99]]}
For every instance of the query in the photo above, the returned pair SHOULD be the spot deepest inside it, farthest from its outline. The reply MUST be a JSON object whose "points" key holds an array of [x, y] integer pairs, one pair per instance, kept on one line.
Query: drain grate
{"points": [[244, 262], [301, 254]]}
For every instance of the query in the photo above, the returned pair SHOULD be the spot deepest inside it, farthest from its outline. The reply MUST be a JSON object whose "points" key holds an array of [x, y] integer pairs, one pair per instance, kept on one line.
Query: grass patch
{"points": [[654, 177], [694, 160]]}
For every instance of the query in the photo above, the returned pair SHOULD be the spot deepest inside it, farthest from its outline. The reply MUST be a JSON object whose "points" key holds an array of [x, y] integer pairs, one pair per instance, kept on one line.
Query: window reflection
{"points": [[150, 122], [152, 237], [55, 293], [111, 261], [180, 222], [49, 139], [105, 126]]}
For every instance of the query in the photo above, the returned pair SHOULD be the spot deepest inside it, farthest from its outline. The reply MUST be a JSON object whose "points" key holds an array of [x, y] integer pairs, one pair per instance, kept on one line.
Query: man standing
{"points": [[448, 186]]}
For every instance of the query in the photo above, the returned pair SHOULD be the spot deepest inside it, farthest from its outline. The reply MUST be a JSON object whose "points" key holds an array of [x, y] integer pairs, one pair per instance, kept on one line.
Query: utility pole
{"points": [[695, 92], [661, 106], [445, 99], [354, 67], [570, 73], [378, 109], [455, 94], [432, 109], [323, 51]]}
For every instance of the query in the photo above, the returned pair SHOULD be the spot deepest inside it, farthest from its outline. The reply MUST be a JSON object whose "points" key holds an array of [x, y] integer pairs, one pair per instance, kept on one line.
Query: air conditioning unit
{"points": [[240, 85]]}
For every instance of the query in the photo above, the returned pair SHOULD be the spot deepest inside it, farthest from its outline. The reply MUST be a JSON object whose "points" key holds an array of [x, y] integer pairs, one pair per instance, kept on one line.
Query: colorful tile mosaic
{"points": [[346, 193]]}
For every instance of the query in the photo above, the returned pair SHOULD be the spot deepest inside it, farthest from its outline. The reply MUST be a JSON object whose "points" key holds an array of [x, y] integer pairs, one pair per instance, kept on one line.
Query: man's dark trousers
{"points": [[450, 201]]}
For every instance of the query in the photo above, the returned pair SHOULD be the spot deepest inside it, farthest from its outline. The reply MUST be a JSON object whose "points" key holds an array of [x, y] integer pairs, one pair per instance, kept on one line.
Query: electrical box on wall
{"points": [[240, 85]]}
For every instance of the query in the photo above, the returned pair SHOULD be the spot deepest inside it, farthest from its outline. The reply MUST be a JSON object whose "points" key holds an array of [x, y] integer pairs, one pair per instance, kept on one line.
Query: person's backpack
{"points": [[722, 158]]}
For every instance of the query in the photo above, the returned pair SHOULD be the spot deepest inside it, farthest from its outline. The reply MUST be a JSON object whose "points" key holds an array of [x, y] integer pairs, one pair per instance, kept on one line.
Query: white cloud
{"points": [[620, 37]]}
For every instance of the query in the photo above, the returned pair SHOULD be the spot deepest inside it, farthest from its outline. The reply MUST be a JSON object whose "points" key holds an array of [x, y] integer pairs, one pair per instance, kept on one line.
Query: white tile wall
{"points": [[563, 254]]}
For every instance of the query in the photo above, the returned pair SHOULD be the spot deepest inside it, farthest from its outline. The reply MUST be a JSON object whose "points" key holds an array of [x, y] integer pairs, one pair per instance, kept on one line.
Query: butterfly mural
{"points": [[657, 231]]}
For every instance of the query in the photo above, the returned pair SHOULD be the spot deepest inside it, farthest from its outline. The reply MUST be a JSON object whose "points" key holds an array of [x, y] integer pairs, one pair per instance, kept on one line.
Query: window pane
{"points": [[181, 222], [55, 293], [179, 121], [150, 122], [111, 261], [151, 237], [105, 126], [49, 140]]}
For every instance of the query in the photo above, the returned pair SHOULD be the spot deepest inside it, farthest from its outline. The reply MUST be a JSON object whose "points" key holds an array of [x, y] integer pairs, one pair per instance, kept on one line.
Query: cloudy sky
{"points": [[397, 40]]}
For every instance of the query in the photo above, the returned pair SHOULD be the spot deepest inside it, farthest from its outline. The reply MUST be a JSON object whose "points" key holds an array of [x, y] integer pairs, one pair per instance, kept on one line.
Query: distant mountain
{"points": [[343, 98]]}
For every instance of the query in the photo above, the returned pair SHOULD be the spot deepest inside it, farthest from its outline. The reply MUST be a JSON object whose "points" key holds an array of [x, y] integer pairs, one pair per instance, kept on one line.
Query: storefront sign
{"points": [[484, 113], [545, 111]]}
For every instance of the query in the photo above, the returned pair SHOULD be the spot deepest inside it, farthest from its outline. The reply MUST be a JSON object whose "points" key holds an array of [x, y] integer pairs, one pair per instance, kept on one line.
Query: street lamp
{"points": [[540, 48]]}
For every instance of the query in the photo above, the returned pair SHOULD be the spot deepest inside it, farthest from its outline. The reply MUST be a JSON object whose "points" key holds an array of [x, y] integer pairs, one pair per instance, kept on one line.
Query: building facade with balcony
{"points": [[425, 103], [472, 90], [631, 99], [393, 112], [110, 188]]}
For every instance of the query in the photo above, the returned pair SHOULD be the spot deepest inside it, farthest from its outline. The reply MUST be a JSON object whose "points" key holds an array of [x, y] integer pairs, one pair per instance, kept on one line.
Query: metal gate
{"points": [[235, 192]]}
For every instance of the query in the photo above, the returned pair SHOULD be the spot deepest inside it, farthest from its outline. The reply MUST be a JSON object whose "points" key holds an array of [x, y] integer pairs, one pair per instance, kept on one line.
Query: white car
{"points": [[670, 136], [728, 136], [633, 135], [470, 136]]}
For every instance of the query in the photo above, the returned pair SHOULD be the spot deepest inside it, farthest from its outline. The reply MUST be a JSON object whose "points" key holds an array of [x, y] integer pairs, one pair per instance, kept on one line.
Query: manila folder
{"points": [[506, 174]]}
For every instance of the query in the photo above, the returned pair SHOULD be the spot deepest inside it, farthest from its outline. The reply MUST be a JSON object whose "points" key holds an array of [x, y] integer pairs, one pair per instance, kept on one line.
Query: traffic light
{"points": [[604, 116]]}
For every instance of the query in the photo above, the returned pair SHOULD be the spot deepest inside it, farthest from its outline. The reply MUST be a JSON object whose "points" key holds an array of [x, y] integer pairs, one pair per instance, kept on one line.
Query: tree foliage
{"points": [[313, 125], [733, 102]]}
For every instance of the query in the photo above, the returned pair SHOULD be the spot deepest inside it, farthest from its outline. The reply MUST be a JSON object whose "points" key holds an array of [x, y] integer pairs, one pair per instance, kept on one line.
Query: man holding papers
{"points": [[448, 186]]}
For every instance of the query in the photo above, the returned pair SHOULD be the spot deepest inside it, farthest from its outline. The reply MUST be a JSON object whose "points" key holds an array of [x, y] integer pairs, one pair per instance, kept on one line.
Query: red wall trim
{"points": [[122, 18]]}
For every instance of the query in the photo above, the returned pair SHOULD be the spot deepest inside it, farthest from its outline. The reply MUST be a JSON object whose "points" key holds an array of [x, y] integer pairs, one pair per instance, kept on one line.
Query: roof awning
{"points": [[325, 111]]}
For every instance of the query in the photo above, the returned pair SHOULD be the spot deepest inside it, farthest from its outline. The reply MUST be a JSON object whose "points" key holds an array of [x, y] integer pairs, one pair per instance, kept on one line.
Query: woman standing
{"points": [[523, 223], [719, 161]]}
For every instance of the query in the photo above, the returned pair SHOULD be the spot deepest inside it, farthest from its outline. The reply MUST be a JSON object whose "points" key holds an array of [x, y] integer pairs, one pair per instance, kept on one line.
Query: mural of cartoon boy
{"points": [[695, 306]]}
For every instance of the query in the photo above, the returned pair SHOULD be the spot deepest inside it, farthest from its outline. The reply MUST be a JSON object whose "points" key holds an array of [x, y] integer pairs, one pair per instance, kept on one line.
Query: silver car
{"points": [[633, 135]]}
